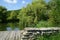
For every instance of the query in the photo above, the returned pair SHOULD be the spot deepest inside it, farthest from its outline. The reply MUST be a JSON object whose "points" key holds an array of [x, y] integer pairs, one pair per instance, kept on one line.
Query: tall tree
{"points": [[54, 12], [3, 14], [33, 13]]}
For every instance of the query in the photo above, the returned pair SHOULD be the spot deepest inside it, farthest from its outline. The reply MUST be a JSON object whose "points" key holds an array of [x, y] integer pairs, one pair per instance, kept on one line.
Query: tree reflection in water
{"points": [[9, 26]]}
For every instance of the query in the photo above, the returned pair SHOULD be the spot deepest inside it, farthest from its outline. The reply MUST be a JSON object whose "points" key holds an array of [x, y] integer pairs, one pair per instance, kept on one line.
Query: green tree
{"points": [[3, 14], [3, 18], [54, 12], [12, 16], [33, 13]]}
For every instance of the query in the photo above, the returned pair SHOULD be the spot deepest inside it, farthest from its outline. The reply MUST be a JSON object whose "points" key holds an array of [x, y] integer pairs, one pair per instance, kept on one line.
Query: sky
{"points": [[15, 4]]}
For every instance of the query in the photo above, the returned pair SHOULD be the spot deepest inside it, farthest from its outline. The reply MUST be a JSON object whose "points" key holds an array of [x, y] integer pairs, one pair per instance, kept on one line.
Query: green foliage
{"points": [[3, 14], [33, 13], [45, 24], [37, 14], [42, 24], [3, 26], [53, 36], [54, 11], [3, 18]]}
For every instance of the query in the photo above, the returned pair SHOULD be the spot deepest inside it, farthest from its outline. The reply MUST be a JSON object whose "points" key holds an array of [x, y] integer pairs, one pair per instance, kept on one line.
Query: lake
{"points": [[9, 26]]}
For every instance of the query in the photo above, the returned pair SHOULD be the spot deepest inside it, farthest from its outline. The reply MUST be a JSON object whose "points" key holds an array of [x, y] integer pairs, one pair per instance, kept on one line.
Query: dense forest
{"points": [[37, 14]]}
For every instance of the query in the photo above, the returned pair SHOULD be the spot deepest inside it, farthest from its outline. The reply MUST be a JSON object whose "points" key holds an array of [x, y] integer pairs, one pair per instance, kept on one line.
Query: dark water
{"points": [[9, 26], [10, 29]]}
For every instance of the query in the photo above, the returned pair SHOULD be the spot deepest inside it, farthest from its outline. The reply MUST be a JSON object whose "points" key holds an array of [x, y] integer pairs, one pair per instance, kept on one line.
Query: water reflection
{"points": [[12, 26], [10, 29], [3, 26], [16, 29], [9, 26]]}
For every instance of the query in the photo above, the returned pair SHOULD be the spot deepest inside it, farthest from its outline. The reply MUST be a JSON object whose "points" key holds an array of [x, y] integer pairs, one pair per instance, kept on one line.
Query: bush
{"points": [[45, 24]]}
